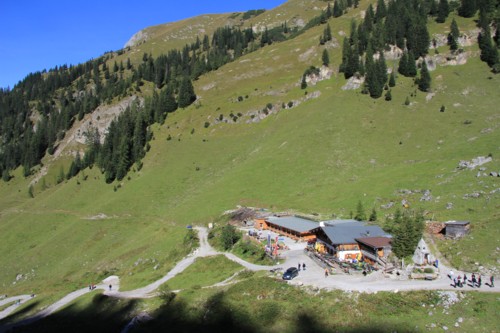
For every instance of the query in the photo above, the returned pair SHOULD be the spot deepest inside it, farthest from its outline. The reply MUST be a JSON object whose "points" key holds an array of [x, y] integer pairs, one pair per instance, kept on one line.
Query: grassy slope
{"points": [[322, 156]]}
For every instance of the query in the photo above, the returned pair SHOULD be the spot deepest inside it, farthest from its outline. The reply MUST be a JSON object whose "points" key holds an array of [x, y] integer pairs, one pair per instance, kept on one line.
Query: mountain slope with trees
{"points": [[242, 131]]}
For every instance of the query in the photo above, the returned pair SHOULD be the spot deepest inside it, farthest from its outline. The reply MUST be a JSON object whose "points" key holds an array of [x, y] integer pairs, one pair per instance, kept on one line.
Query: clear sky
{"points": [[37, 35]]}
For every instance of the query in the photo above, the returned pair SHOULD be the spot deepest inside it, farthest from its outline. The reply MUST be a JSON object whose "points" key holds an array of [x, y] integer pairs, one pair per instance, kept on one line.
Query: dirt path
{"points": [[313, 275]]}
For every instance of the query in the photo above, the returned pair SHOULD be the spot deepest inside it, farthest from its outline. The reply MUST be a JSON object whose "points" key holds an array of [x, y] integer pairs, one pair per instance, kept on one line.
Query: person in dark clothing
{"points": [[110, 287], [473, 280], [492, 281], [304, 266], [298, 266], [479, 281]]}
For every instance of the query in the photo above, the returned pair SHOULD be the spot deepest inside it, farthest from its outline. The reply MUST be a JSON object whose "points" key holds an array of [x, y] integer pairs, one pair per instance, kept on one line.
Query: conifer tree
{"points": [[337, 10], [325, 58], [392, 80], [411, 65], [443, 11], [468, 8], [424, 83], [360, 212], [186, 93]]}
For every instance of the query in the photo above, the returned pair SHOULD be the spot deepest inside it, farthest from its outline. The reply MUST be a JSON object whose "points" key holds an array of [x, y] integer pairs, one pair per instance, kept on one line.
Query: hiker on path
{"points": [[454, 282], [450, 275], [304, 266], [479, 282], [465, 277], [326, 272], [298, 266], [110, 287], [492, 281], [473, 280]]}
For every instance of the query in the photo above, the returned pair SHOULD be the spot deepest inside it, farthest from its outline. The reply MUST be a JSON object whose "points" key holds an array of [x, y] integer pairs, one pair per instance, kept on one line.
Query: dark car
{"points": [[290, 273]]}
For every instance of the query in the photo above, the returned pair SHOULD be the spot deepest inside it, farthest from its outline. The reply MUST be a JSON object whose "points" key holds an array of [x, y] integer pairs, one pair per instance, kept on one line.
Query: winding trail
{"points": [[312, 276]]}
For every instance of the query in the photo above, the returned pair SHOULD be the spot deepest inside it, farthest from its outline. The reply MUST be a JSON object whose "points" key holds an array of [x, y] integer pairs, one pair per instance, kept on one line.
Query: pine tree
{"points": [[468, 8], [388, 95], [337, 10], [373, 215], [403, 64], [325, 58], [424, 83], [186, 93], [443, 11], [303, 83], [381, 11], [411, 65], [489, 53], [453, 35], [360, 212], [392, 80]]}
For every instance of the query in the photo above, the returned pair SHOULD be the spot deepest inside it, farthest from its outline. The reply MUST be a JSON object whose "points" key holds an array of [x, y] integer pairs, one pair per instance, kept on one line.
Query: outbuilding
{"points": [[456, 229]]}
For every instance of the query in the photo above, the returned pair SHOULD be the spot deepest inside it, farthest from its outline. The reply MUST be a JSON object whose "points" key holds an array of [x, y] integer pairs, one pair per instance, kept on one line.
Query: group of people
{"points": [[303, 266], [475, 281]]}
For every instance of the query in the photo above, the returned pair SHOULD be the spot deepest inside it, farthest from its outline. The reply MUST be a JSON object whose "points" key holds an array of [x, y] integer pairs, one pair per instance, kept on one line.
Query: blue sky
{"points": [[37, 35]]}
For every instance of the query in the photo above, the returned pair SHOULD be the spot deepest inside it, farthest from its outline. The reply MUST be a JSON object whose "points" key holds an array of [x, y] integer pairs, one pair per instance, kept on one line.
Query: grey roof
{"points": [[293, 223], [347, 233], [337, 222], [457, 222]]}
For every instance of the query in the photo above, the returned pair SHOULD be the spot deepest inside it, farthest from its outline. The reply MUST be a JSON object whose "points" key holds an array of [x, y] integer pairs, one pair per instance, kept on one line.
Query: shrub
{"points": [[207, 124], [429, 270]]}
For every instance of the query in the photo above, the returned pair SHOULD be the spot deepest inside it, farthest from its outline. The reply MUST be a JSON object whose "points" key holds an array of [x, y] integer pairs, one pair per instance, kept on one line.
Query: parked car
{"points": [[290, 273]]}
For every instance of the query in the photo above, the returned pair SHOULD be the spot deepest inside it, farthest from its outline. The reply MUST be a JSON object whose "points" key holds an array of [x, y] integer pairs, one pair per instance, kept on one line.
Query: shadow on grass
{"points": [[19, 314], [215, 314], [104, 314]]}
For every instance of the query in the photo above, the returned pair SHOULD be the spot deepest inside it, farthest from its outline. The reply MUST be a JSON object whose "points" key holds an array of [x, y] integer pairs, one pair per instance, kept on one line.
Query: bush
{"points": [[429, 270], [207, 124]]}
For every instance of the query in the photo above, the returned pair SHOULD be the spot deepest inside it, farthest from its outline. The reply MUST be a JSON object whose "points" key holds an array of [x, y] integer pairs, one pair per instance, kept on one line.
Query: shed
{"points": [[455, 229]]}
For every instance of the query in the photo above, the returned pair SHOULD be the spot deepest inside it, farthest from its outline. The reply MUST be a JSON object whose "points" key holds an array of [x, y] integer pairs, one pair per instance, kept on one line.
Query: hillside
{"points": [[317, 150]]}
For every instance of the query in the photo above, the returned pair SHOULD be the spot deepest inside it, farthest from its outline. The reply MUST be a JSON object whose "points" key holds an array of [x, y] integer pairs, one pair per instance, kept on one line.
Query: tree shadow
{"points": [[215, 314]]}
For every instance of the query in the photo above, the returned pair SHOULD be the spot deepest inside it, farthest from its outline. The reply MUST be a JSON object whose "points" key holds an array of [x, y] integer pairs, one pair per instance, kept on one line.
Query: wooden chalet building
{"points": [[293, 227], [375, 250], [339, 238]]}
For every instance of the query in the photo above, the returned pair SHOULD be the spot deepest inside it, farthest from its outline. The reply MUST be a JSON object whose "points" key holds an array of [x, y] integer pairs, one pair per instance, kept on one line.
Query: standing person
{"points": [[492, 281], [459, 279], [465, 278], [110, 287], [326, 272], [473, 280], [450, 275], [454, 282], [298, 266], [479, 282], [304, 266]]}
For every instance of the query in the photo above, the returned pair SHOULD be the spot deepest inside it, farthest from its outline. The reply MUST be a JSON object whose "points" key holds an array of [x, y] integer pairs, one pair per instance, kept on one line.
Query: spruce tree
{"points": [[392, 80], [443, 11], [411, 65], [468, 8], [186, 93], [424, 83], [360, 212], [325, 58], [403, 64]]}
